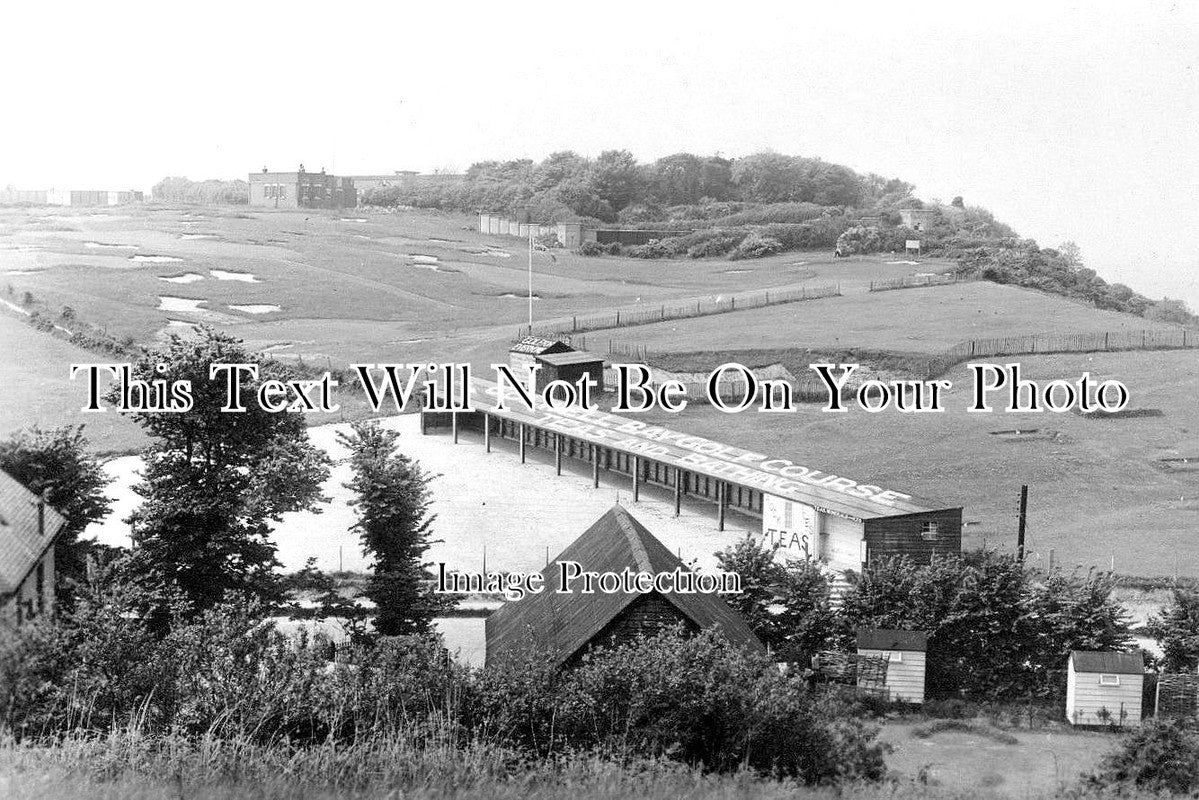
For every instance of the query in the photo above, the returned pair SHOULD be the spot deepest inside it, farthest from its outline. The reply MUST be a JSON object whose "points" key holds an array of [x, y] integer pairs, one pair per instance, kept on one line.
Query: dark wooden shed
{"points": [[570, 367]]}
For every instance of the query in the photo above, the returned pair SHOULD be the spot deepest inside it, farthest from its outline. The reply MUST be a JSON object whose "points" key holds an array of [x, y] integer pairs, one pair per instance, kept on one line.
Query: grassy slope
{"points": [[37, 389], [924, 320], [1095, 489]]}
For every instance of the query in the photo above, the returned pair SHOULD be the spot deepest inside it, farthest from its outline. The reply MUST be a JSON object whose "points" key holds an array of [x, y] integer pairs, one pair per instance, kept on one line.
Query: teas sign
{"points": [[789, 526]]}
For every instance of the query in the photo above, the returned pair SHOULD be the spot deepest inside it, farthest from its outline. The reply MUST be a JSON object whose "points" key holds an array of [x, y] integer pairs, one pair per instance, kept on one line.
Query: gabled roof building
{"points": [[28, 528], [563, 626]]}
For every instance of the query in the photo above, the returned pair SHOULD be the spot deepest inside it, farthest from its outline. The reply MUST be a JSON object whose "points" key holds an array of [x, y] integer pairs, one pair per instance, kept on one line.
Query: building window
{"points": [[895, 656], [1109, 680], [929, 531]]}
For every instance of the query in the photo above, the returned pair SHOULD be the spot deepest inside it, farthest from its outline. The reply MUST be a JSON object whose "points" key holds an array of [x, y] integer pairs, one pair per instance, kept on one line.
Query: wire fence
{"points": [[664, 312]]}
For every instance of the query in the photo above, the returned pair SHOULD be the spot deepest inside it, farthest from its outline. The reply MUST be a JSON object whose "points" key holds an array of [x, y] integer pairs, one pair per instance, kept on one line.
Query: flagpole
{"points": [[530, 280]]}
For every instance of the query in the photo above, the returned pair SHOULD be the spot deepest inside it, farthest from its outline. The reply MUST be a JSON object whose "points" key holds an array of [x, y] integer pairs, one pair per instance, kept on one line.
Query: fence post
{"points": [[574, 324], [663, 312], [768, 298], [733, 301], [617, 319], [1105, 335]]}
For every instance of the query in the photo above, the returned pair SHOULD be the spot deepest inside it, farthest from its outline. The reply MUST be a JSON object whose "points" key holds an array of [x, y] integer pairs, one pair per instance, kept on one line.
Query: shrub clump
{"points": [[757, 245], [1161, 757]]}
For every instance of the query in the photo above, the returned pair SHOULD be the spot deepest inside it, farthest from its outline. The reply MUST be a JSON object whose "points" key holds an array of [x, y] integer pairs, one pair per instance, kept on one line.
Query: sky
{"points": [[1070, 121]]}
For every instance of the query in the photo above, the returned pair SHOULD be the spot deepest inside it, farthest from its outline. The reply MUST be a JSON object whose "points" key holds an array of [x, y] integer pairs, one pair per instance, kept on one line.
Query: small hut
{"points": [[905, 652], [1104, 689]]}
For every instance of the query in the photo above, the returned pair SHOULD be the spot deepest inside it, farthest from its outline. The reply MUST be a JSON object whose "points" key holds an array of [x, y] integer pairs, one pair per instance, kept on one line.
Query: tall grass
{"points": [[128, 764]]}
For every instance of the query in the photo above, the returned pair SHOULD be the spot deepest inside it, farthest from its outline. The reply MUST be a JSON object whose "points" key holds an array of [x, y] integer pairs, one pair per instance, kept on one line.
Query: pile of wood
{"points": [[866, 672]]}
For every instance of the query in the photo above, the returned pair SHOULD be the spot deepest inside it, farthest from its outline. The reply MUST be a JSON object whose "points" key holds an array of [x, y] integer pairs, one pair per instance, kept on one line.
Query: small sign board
{"points": [[912, 244], [789, 526]]}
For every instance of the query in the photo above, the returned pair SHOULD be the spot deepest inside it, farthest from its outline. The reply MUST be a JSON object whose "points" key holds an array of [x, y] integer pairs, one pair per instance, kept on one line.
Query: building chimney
{"points": [[41, 514]]}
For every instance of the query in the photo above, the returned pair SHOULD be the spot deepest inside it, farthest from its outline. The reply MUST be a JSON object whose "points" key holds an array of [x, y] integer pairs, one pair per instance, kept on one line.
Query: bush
{"points": [[757, 245], [1162, 756], [701, 700]]}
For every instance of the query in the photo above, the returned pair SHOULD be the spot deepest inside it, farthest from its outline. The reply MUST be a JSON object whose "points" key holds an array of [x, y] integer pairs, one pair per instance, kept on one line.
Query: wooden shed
{"points": [[1104, 689], [563, 626], [905, 652]]}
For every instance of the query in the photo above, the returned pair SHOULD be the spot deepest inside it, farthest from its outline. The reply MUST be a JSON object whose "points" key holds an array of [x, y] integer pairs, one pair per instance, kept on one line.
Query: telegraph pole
{"points": [[1023, 523]]}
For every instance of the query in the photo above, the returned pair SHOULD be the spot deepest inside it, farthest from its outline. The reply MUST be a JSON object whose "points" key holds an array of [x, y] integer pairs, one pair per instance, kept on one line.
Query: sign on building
{"points": [[789, 526]]}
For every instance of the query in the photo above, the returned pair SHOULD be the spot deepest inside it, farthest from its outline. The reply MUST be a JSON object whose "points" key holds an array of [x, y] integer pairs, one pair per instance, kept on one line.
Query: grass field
{"points": [[35, 376], [363, 285], [351, 289], [1099, 491], [925, 320], [976, 758]]}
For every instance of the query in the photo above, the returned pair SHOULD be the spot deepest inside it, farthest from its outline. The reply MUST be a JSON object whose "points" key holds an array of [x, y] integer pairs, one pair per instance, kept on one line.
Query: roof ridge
{"points": [[640, 556]]}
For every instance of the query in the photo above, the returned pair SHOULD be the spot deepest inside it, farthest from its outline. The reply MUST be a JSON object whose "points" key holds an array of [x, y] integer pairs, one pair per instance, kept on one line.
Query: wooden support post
{"points": [[487, 431], [678, 490], [522, 443], [595, 456], [636, 479], [558, 452], [722, 490], [454, 425], [423, 430]]}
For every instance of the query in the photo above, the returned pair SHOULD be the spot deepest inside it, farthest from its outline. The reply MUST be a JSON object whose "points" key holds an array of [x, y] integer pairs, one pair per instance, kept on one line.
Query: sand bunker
{"points": [[261, 308], [512, 296], [190, 236], [108, 246], [187, 277], [223, 275], [353, 219], [166, 303], [24, 271], [497, 253], [422, 259], [909, 263], [155, 259]]}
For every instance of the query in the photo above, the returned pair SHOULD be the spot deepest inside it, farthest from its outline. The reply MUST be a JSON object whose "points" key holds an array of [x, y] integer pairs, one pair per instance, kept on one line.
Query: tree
{"points": [[56, 462], [392, 499], [1176, 631], [617, 178], [957, 202], [214, 481], [1071, 253], [787, 606]]}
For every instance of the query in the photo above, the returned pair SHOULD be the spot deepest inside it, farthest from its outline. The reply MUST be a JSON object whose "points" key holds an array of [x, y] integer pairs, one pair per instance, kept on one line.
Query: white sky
{"points": [[1068, 120]]}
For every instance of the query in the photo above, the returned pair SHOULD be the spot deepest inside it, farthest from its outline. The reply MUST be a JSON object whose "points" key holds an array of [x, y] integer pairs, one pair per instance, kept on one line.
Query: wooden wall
{"points": [[895, 536], [1085, 697]]}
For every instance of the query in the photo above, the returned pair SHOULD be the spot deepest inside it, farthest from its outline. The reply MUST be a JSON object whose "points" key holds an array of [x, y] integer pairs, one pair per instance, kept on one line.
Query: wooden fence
{"points": [[1039, 344], [699, 308], [917, 281]]}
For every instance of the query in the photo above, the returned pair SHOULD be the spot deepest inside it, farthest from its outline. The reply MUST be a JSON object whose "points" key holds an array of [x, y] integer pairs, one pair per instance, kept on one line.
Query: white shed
{"points": [[1104, 689], [905, 652]]}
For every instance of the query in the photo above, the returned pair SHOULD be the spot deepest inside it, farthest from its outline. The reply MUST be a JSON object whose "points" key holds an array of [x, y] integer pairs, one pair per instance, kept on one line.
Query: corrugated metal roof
{"points": [[562, 624], [573, 357], [1112, 663], [21, 545], [880, 639], [536, 345], [832, 494]]}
